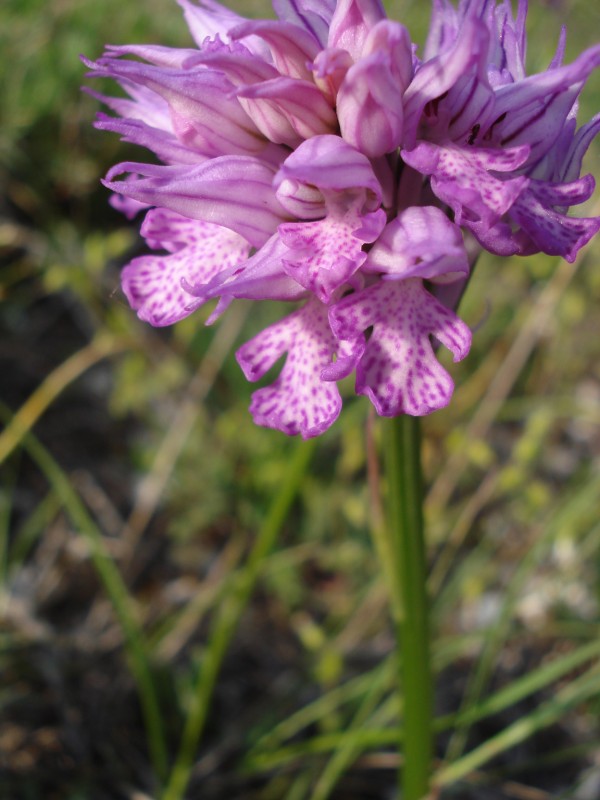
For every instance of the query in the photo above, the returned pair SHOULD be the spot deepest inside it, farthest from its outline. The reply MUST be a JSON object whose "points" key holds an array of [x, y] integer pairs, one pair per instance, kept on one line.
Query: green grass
{"points": [[186, 596]]}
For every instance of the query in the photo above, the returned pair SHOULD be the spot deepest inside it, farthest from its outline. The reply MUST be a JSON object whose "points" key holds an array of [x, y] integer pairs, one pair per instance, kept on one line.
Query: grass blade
{"points": [[45, 394], [584, 688], [228, 616], [116, 591]]}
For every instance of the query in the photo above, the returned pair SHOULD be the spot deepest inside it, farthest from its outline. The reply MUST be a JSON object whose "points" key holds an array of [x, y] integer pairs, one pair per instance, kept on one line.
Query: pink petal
{"points": [[394, 39], [369, 105], [162, 143], [399, 372], [145, 105], [539, 212], [234, 191], [198, 251], [463, 178], [292, 48], [420, 242], [299, 401], [369, 101], [207, 19], [438, 75], [324, 254], [261, 277], [534, 110], [127, 206], [571, 167], [172, 57], [287, 104], [312, 15], [329, 70], [203, 114], [352, 22], [331, 165]]}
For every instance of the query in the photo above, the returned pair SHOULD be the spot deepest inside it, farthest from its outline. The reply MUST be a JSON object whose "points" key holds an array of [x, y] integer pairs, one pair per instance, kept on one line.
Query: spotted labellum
{"points": [[316, 158]]}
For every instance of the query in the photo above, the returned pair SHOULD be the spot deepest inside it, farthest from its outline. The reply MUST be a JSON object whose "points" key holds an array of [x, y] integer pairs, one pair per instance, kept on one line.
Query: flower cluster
{"points": [[316, 158]]}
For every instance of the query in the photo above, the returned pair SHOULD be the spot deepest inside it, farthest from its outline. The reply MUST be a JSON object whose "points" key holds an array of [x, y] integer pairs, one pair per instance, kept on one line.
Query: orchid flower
{"points": [[316, 159], [500, 147]]}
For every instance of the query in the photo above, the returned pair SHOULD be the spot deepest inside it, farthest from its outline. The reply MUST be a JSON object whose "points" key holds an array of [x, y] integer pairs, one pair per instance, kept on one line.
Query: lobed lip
{"points": [[317, 159]]}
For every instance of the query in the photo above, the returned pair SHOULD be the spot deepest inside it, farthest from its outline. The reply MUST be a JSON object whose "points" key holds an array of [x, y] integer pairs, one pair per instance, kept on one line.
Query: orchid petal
{"points": [[548, 229], [534, 110], [298, 104], [443, 28], [292, 47], [369, 106], [312, 15], [239, 64], [126, 205], [285, 110], [324, 255], [438, 75], [261, 277], [581, 141], [420, 242], [210, 192], [170, 57], [331, 165], [349, 353], [145, 105], [329, 70], [394, 40], [164, 144], [462, 178], [154, 284], [508, 41], [398, 371], [204, 115], [207, 19], [351, 23], [299, 401]]}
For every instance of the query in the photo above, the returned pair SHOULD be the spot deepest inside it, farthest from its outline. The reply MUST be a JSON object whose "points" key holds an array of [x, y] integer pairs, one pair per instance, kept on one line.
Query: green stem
{"points": [[227, 619], [406, 536]]}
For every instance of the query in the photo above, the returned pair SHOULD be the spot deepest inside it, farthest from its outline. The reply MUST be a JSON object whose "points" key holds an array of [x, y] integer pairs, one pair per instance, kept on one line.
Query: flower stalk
{"points": [[406, 541]]}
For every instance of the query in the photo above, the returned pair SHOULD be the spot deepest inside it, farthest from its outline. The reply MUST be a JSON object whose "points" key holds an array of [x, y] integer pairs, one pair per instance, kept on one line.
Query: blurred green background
{"points": [[134, 486]]}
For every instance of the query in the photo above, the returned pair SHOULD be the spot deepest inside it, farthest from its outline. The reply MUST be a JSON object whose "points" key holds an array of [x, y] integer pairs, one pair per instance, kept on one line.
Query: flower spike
{"points": [[317, 159]]}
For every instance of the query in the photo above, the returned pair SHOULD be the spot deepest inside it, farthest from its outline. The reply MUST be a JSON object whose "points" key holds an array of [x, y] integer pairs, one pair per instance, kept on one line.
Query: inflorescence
{"points": [[317, 159]]}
